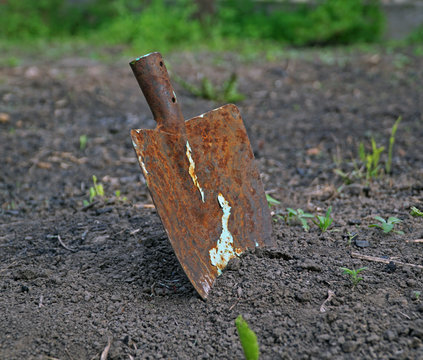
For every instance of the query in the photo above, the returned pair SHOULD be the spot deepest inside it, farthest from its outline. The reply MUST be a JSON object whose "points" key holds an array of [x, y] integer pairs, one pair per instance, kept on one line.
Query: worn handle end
{"points": [[153, 78]]}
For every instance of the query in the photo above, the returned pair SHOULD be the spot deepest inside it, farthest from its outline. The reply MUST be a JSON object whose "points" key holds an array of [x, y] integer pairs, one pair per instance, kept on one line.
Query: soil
{"points": [[74, 278]]}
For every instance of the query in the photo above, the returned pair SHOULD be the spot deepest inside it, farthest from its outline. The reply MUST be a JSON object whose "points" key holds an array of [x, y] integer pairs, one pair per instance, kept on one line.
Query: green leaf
{"points": [[387, 228], [291, 212], [208, 89], [99, 190], [347, 271], [382, 220], [92, 194], [416, 212], [83, 139], [394, 220], [271, 201], [248, 339], [304, 224]]}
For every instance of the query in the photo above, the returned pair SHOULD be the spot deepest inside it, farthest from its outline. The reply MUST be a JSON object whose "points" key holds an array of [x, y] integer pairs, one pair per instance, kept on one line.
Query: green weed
{"points": [[83, 140], [351, 236], [96, 190], [387, 225], [118, 196], [248, 339], [349, 177], [300, 216], [227, 92], [416, 212], [371, 159], [394, 129], [271, 201], [323, 222], [416, 295], [353, 274]]}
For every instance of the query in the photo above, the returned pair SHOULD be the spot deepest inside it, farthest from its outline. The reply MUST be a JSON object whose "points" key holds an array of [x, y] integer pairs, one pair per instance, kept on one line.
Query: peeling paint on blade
{"points": [[224, 251], [144, 169], [206, 282], [192, 171]]}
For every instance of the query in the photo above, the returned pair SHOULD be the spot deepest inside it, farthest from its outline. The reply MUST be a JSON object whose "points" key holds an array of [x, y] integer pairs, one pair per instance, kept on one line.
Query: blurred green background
{"points": [[147, 25]]}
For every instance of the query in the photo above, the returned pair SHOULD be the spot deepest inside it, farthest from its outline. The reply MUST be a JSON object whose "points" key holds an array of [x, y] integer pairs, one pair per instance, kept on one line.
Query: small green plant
{"points": [[248, 339], [388, 165], [349, 177], [355, 279], [351, 236], [323, 222], [271, 201], [371, 159], [96, 190], [416, 295], [300, 216], [416, 212], [226, 93], [387, 225], [117, 194], [83, 139]]}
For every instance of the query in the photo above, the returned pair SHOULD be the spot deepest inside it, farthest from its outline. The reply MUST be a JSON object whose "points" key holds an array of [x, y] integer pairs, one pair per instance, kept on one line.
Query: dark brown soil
{"points": [[73, 278]]}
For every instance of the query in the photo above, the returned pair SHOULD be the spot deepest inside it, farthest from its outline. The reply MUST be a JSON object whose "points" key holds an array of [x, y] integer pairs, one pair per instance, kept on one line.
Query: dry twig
{"points": [[331, 294], [106, 350], [64, 245], [8, 266], [415, 241], [382, 260], [234, 304]]}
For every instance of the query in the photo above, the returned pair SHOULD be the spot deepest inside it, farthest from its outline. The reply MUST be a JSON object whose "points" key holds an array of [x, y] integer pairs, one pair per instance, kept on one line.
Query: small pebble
{"points": [[372, 339], [354, 222], [389, 335], [411, 282], [390, 267], [361, 243], [349, 346]]}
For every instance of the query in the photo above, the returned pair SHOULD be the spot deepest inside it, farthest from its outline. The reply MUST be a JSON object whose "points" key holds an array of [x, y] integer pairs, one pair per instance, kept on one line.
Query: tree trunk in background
{"points": [[206, 9]]}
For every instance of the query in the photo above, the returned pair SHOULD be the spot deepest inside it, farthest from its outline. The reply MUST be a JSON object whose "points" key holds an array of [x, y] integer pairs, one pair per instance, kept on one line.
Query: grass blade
{"points": [[248, 339]]}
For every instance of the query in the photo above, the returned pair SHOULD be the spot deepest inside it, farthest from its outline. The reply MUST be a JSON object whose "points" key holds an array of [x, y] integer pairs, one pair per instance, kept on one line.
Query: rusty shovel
{"points": [[202, 177]]}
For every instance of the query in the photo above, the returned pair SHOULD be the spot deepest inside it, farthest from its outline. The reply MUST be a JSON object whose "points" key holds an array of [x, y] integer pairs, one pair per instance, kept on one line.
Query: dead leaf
{"points": [[313, 151], [44, 165], [4, 118]]}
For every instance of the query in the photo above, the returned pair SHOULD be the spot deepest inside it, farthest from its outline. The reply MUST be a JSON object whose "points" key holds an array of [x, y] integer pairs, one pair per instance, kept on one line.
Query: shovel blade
{"points": [[207, 191]]}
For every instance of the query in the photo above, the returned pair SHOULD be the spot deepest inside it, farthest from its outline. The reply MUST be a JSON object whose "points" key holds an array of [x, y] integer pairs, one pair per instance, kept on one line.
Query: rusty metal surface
{"points": [[205, 186]]}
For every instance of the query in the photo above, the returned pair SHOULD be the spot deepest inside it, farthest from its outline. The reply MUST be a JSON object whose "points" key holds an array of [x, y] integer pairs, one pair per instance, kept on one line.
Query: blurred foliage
{"points": [[416, 37], [154, 26], [332, 22], [164, 25]]}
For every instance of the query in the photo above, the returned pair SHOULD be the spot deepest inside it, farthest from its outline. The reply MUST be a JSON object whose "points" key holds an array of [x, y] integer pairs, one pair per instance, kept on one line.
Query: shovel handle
{"points": [[151, 74]]}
